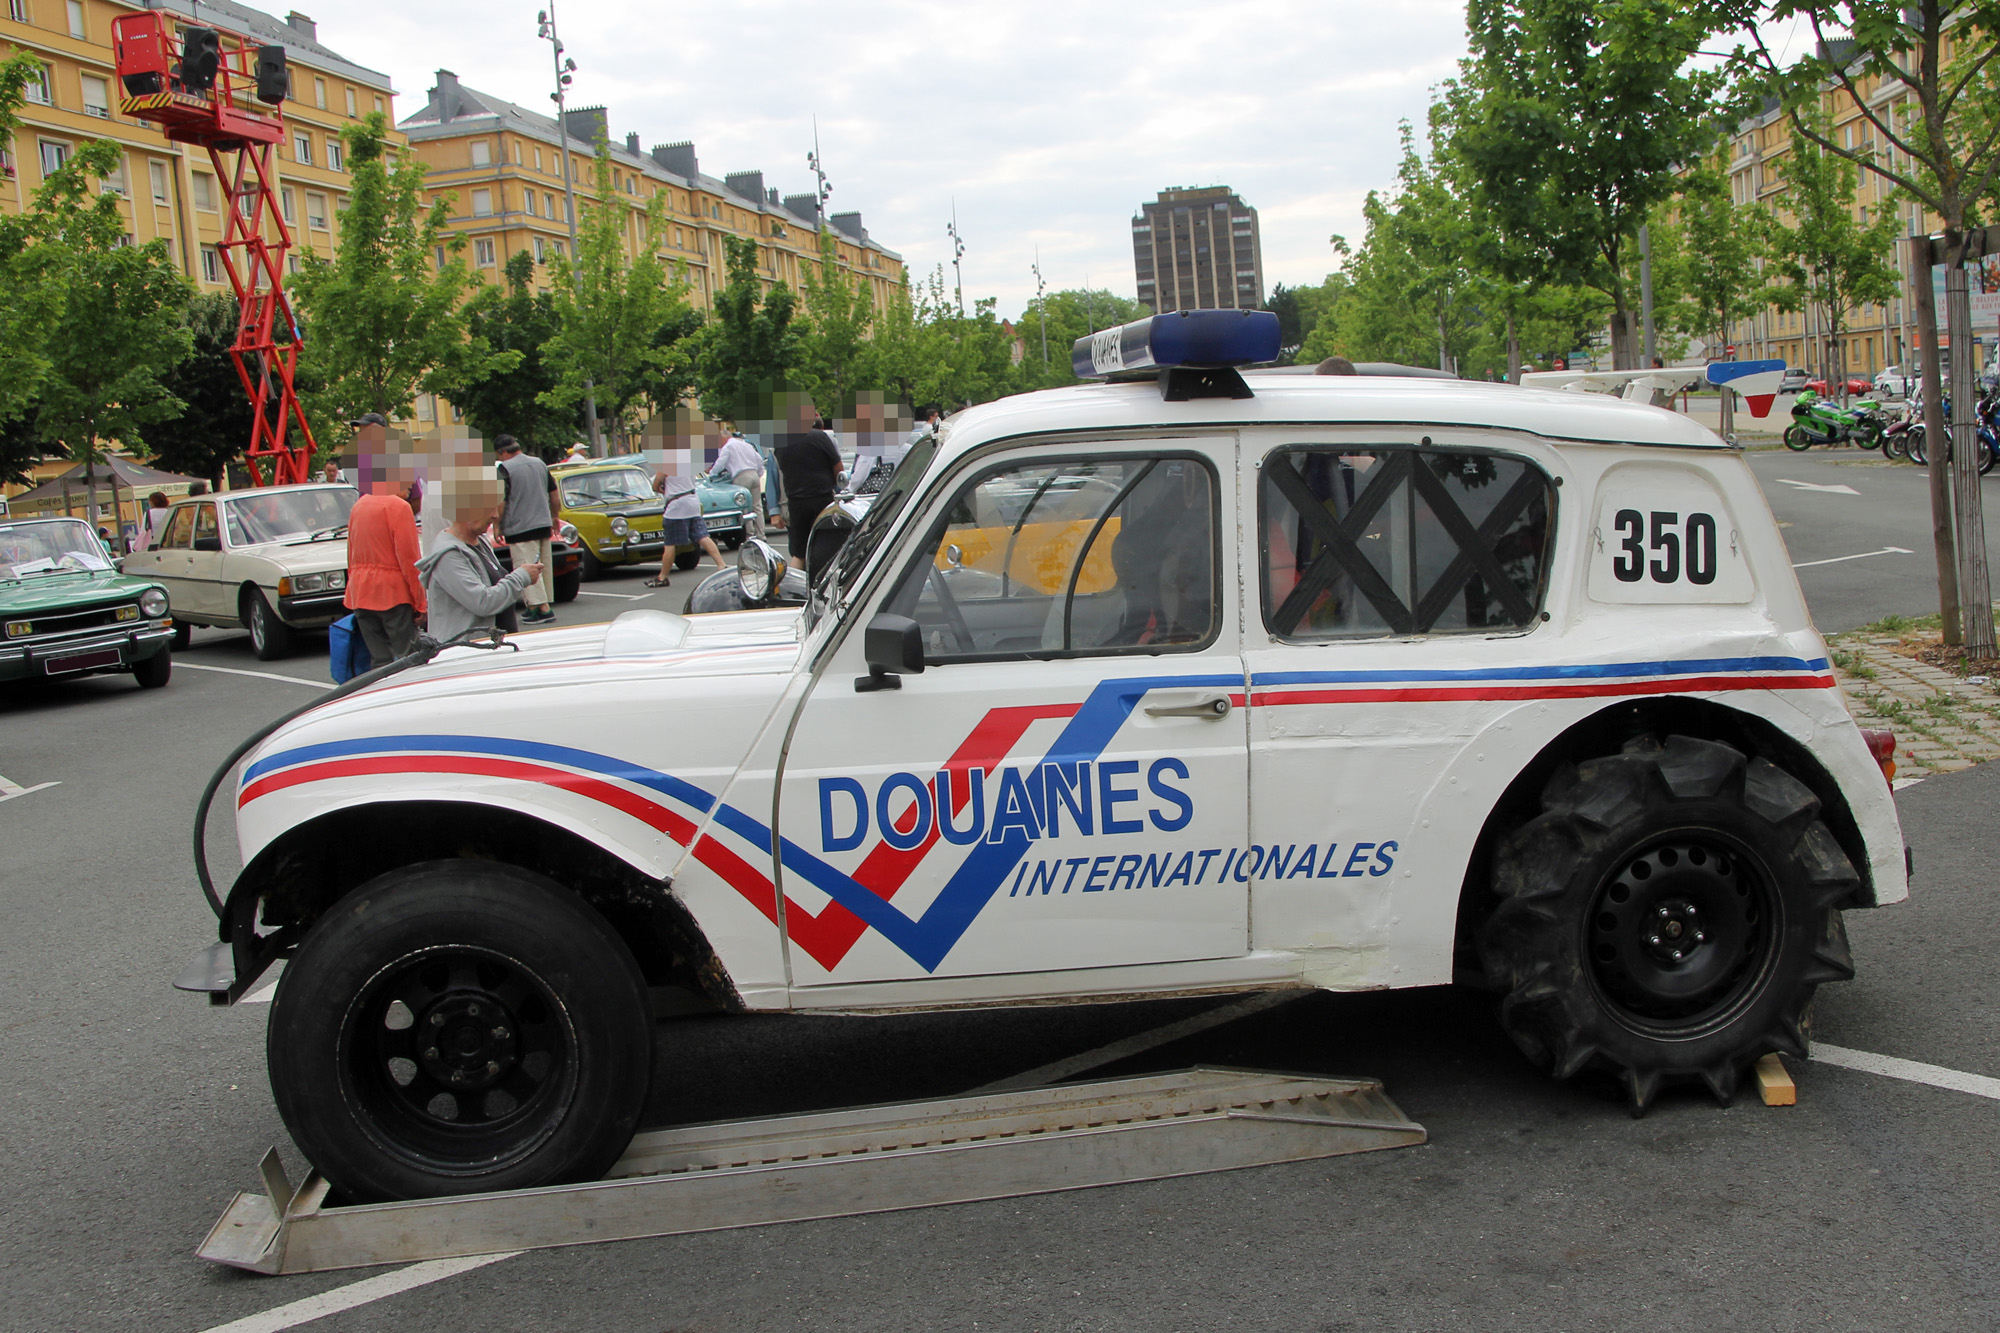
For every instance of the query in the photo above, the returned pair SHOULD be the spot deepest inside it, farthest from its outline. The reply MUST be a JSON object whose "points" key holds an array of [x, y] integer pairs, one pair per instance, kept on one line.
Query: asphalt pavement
{"points": [[134, 1112]]}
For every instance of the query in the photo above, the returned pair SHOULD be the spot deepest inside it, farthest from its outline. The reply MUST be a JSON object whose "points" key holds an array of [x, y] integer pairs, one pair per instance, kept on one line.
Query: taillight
{"points": [[1882, 744]]}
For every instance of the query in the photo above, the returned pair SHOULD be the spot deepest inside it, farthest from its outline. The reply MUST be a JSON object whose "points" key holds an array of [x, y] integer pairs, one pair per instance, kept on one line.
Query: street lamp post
{"points": [[565, 69], [1041, 303], [957, 256], [818, 166]]}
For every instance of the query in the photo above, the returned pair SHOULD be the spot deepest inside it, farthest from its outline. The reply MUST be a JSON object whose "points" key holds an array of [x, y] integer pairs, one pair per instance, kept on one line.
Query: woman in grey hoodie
{"points": [[463, 583]]}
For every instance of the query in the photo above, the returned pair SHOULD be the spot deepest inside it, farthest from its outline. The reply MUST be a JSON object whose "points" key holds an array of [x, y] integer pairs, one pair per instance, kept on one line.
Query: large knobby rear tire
{"points": [[458, 1027], [1667, 917]]}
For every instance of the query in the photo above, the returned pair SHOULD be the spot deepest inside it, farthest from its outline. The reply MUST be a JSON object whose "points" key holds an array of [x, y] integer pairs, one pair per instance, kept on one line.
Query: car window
{"points": [[317, 513], [1367, 542], [204, 522], [180, 528], [1061, 556], [610, 486]]}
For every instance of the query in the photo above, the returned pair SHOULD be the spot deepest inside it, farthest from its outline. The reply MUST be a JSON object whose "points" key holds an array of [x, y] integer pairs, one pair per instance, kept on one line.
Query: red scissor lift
{"points": [[217, 91]]}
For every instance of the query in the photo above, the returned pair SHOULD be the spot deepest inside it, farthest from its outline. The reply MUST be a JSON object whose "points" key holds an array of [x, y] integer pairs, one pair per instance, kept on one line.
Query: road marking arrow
{"points": [[9, 790], [1887, 550], [1814, 486]]}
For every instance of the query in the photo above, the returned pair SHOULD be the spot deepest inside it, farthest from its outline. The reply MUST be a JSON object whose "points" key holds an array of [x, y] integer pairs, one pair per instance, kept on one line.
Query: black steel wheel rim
{"points": [[458, 1059], [1683, 933]]}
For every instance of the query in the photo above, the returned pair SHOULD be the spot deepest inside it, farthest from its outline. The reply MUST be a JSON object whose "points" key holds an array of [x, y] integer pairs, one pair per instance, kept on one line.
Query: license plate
{"points": [[102, 657]]}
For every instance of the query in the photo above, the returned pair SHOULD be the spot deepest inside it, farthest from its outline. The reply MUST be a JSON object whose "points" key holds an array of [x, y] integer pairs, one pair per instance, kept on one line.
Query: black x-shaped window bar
{"points": [[1341, 552]]}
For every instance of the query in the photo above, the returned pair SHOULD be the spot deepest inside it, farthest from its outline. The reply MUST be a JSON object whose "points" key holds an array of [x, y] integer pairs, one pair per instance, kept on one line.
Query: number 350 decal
{"points": [[1665, 546]]}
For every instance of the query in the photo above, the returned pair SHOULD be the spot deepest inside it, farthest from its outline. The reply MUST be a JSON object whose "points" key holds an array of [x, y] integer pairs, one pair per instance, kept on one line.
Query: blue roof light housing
{"points": [[1186, 338]]}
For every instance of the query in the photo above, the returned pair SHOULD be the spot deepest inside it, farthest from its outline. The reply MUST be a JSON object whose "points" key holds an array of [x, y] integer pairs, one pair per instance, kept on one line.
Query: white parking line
{"points": [[9, 790], [621, 596], [1887, 550], [260, 675], [1835, 489], [1889, 1066], [1143, 1041], [357, 1293]]}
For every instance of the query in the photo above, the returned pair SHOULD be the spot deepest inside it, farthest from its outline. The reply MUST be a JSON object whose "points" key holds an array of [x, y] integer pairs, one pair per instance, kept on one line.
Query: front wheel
{"points": [[687, 559], [154, 671], [1917, 449], [568, 585], [270, 637], [593, 568], [1796, 438], [1667, 916], [460, 1027]]}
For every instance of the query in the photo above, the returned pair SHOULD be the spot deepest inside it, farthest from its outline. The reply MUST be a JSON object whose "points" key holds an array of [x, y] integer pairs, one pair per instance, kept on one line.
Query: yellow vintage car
{"points": [[612, 505]]}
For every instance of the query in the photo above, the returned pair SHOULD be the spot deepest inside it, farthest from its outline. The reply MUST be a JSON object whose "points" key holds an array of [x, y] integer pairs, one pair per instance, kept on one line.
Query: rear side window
{"points": [[1055, 557], [1397, 541]]}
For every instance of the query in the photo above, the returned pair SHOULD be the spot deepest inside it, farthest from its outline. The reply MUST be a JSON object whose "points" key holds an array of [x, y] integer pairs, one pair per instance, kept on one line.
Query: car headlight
{"points": [[742, 498], [126, 613], [152, 603], [758, 569], [619, 527], [307, 583], [568, 532], [336, 579], [20, 629]]}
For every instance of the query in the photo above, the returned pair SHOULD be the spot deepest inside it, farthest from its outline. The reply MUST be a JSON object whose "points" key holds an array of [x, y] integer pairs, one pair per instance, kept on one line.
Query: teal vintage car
{"points": [[65, 611]]}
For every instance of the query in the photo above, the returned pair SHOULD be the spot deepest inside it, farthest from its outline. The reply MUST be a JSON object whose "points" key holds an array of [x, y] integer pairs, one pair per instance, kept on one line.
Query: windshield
{"points": [[254, 519], [875, 524], [68, 547], [618, 485]]}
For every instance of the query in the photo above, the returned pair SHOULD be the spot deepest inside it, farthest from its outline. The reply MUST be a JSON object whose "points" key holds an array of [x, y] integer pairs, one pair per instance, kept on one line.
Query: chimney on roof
{"points": [[802, 206], [678, 158], [302, 25], [748, 184], [771, 198], [632, 143], [445, 96], [850, 223], [588, 123]]}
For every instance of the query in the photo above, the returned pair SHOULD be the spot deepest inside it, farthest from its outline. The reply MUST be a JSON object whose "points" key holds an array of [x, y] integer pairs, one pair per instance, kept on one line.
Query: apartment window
{"points": [[336, 160], [350, 103], [680, 245], [96, 97], [440, 257], [316, 211], [54, 155], [158, 172], [482, 152], [550, 201], [558, 247], [211, 264], [287, 204], [18, 10], [482, 252], [319, 93], [76, 18], [302, 149], [40, 86], [538, 159], [482, 203], [517, 152], [115, 182], [541, 251], [204, 191], [378, 103]]}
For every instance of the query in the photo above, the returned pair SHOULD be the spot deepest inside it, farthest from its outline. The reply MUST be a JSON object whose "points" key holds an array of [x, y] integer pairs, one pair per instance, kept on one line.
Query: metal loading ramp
{"points": [[837, 1164]]}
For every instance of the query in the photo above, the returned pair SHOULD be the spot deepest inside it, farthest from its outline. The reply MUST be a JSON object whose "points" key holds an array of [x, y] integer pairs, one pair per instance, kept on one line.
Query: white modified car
{"points": [[1190, 681], [273, 560]]}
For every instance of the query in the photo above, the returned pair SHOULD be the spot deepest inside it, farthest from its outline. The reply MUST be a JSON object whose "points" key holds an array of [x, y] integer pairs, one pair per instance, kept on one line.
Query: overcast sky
{"points": [[1048, 123]]}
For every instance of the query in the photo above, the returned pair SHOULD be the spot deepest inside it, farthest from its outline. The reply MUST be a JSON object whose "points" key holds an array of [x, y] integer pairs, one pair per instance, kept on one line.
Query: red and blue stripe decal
{"points": [[863, 900]]}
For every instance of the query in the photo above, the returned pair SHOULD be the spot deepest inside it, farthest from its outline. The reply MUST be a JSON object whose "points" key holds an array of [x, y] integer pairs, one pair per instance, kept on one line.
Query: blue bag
{"points": [[347, 650]]}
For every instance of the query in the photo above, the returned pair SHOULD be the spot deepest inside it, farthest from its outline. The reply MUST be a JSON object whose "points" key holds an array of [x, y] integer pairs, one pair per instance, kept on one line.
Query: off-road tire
{"points": [[548, 1092], [567, 585], [270, 637], [155, 671], [1683, 842]]}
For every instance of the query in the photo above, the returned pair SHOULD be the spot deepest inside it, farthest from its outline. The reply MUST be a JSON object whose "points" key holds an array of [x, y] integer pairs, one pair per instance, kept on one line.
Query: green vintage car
{"points": [[65, 611]]}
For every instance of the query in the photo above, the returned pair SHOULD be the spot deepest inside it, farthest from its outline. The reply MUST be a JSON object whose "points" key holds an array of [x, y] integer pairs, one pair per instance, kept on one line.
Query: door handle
{"points": [[1213, 707]]}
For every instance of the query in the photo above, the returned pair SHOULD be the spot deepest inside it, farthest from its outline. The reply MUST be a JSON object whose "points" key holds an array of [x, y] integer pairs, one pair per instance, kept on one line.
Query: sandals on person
{"points": [[656, 583]]}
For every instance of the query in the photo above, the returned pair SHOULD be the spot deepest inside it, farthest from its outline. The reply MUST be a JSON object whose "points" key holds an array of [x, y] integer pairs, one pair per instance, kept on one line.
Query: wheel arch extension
{"points": [[304, 871], [1604, 732]]}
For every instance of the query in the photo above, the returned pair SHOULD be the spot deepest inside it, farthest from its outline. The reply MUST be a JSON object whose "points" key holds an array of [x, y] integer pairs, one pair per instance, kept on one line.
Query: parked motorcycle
{"points": [[1816, 421], [1986, 431]]}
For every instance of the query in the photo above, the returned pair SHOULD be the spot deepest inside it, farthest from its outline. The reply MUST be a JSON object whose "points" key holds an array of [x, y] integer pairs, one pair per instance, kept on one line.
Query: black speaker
{"points": [[271, 74], [201, 56]]}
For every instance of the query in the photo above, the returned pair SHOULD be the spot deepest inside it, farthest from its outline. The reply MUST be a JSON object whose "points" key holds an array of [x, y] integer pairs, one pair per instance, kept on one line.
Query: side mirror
{"points": [[208, 543], [893, 647]]}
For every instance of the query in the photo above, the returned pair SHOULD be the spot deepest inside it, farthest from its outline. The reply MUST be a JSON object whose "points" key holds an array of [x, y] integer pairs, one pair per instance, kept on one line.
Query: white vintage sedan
{"points": [[273, 560]]}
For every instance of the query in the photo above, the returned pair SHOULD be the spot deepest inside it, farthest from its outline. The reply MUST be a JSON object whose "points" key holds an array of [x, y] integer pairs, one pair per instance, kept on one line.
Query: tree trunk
{"points": [[1974, 592], [1513, 351], [1621, 332], [1934, 436]]}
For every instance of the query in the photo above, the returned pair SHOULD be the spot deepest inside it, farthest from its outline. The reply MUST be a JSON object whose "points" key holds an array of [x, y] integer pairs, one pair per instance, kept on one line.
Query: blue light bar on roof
{"points": [[1183, 338]]}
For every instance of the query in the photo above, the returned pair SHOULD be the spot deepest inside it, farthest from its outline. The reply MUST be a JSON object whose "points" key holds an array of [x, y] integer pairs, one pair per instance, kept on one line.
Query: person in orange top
{"points": [[382, 586]]}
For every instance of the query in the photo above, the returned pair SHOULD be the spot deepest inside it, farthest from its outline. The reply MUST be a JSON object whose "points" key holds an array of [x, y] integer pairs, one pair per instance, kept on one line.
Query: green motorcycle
{"points": [[1816, 421]]}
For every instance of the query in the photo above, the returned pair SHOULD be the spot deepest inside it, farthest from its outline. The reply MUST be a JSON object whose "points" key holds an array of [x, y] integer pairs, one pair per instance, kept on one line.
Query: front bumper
{"points": [[83, 654], [313, 610]]}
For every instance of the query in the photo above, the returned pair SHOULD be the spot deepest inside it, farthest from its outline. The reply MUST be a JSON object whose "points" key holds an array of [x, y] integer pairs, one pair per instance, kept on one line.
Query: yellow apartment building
{"points": [[502, 164]]}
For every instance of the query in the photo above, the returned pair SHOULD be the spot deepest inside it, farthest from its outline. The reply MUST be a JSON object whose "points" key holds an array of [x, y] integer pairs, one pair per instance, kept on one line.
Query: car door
{"points": [[204, 564], [1401, 574], [1063, 785], [168, 560]]}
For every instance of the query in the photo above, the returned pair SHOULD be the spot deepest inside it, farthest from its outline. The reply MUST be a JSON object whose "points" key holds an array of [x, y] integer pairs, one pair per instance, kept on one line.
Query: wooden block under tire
{"points": [[1774, 1082]]}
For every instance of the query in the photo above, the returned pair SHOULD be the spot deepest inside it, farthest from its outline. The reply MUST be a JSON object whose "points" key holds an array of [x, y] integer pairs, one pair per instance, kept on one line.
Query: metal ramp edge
{"points": [[836, 1164]]}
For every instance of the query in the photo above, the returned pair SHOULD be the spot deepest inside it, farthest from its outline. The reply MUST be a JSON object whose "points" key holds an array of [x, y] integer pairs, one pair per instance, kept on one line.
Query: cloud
{"points": [[1045, 123]]}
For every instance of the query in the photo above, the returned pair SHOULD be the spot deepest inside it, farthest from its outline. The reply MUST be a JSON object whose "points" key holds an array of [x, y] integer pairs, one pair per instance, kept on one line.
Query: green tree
{"points": [[516, 318], [1071, 313], [750, 349], [1709, 252], [620, 318], [836, 355], [30, 288], [212, 429], [383, 319], [1935, 136], [1826, 261], [1575, 119]]}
